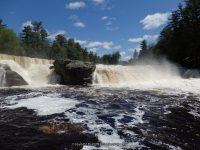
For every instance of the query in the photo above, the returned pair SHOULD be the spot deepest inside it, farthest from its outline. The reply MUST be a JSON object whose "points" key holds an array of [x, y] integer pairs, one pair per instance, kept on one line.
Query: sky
{"points": [[102, 26]]}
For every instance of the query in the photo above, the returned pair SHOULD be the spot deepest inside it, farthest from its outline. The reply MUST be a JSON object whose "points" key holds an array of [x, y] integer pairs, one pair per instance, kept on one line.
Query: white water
{"points": [[164, 76], [160, 76], [33, 70]]}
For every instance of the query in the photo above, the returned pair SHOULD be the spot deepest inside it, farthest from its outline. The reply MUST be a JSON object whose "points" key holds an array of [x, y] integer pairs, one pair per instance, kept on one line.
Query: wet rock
{"points": [[74, 72], [9, 77]]}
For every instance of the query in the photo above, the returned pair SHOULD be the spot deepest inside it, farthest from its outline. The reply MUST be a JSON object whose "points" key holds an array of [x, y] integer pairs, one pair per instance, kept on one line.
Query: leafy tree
{"points": [[9, 43]]}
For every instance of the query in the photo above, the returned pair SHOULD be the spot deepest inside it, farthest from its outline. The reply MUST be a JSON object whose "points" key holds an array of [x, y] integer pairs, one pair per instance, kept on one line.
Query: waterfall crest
{"points": [[35, 71], [108, 75]]}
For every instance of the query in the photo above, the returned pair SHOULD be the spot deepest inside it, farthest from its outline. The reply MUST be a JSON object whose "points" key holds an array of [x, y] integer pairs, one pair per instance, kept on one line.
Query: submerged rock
{"points": [[74, 72], [9, 77]]}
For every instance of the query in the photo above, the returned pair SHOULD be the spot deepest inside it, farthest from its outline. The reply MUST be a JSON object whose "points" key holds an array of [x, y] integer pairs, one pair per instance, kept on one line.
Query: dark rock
{"points": [[74, 72], [10, 78], [51, 67]]}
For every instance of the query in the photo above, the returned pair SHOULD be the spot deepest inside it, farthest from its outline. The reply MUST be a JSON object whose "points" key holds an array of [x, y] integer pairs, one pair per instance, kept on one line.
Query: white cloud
{"points": [[145, 37], [98, 2], [122, 53], [97, 44], [105, 45], [81, 42], [104, 18], [53, 35], [27, 23], [137, 48], [155, 20], [117, 47], [79, 24], [75, 5], [94, 50], [109, 23], [94, 44]]}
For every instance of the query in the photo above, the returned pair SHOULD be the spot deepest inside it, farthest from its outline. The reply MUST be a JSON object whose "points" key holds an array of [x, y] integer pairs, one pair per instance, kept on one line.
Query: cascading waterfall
{"points": [[130, 75], [33, 70], [155, 75]]}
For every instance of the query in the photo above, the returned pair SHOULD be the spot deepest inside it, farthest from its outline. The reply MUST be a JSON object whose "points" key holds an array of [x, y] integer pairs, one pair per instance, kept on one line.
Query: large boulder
{"points": [[74, 72], [10, 78]]}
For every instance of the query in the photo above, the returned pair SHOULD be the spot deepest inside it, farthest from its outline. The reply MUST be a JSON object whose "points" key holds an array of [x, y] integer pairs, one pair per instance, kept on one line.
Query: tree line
{"points": [[179, 41], [33, 42]]}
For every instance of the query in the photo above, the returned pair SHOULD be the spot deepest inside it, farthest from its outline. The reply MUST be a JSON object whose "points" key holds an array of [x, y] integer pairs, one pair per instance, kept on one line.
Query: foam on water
{"points": [[44, 105]]}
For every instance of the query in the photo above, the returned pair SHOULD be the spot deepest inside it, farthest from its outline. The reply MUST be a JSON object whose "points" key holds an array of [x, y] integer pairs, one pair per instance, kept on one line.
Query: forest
{"points": [[179, 41], [33, 42]]}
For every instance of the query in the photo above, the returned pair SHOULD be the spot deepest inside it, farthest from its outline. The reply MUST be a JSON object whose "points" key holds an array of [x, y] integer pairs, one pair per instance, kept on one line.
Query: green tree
{"points": [[144, 50], [179, 40], [9, 43]]}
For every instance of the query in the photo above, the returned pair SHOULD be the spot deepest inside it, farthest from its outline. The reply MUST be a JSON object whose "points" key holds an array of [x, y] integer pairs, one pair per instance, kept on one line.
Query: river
{"points": [[126, 107]]}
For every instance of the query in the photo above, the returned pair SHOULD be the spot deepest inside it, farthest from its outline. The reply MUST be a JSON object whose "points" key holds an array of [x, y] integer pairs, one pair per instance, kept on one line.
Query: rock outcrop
{"points": [[10, 78], [74, 72]]}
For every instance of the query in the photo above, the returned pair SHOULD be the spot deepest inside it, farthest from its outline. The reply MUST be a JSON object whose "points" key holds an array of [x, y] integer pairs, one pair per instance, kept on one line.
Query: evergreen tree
{"points": [[135, 54], [179, 40]]}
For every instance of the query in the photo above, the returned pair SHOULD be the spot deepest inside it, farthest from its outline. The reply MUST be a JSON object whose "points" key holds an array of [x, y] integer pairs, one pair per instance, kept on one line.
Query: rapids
{"points": [[127, 107]]}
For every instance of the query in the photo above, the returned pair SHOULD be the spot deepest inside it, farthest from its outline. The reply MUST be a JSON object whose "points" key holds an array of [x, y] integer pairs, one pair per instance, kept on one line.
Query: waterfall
{"points": [[118, 75], [35, 71]]}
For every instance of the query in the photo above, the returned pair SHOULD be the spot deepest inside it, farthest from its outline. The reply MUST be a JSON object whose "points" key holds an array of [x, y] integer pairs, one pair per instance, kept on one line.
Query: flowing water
{"points": [[127, 107]]}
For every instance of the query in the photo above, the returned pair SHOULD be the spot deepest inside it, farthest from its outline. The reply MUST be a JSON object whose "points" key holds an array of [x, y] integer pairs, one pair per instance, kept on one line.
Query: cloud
{"points": [[94, 50], [105, 45], [98, 2], [77, 22], [117, 47], [84, 42], [75, 5], [96, 44], [155, 20], [103, 4], [104, 18], [137, 48], [145, 37], [27, 23], [53, 35], [109, 23], [122, 53]]}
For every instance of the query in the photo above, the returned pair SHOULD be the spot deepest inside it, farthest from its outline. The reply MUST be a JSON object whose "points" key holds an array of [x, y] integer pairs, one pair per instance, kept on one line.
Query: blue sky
{"points": [[103, 26]]}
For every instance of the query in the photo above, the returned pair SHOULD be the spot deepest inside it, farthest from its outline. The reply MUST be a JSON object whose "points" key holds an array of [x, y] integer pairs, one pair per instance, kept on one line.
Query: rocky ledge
{"points": [[9, 77], [74, 72]]}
